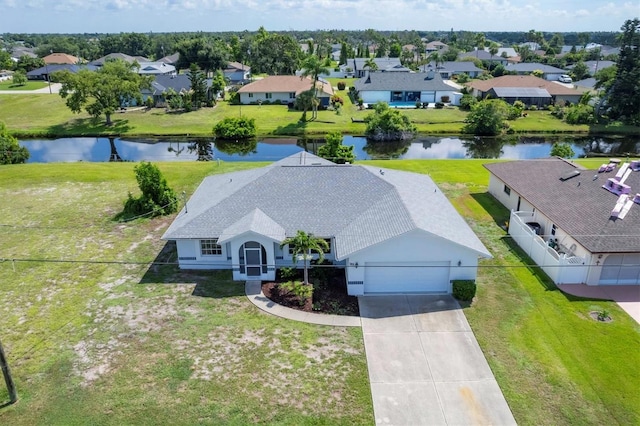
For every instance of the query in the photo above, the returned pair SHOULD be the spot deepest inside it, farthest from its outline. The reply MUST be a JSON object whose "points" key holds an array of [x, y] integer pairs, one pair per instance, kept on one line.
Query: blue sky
{"points": [[114, 16]]}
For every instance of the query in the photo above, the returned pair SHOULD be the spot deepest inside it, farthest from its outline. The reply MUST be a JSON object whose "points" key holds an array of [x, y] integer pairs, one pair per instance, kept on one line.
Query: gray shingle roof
{"points": [[402, 81], [357, 205], [583, 210], [532, 66], [521, 92]]}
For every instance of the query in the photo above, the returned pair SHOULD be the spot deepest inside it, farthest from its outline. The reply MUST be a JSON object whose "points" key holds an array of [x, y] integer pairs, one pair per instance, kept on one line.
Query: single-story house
{"points": [[43, 73], [61, 58], [558, 92], [405, 87], [580, 226], [359, 68], [235, 72], [525, 68], [19, 52], [392, 231], [436, 46], [121, 56], [155, 68], [170, 59], [529, 95], [448, 69], [483, 55], [6, 75], [180, 83], [283, 89], [595, 66]]}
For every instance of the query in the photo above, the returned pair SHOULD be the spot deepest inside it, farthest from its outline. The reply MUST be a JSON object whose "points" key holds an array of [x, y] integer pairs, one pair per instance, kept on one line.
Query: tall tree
{"points": [[198, 81], [103, 91], [334, 150], [370, 63], [313, 67], [10, 150], [302, 246], [480, 41], [624, 95], [208, 55], [344, 54]]}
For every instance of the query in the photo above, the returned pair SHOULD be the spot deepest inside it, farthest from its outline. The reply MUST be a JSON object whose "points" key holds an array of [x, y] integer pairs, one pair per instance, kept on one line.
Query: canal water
{"points": [[273, 149]]}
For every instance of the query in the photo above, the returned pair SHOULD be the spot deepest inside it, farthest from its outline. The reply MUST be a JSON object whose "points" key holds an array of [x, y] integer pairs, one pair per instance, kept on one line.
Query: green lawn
{"points": [[125, 343], [41, 115], [30, 85]]}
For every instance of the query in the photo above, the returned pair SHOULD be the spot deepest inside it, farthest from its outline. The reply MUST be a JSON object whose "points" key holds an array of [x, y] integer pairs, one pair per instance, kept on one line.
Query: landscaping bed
{"points": [[329, 293]]}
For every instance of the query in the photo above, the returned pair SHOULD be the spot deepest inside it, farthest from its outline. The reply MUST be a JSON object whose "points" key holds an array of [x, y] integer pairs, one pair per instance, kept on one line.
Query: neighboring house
{"points": [[19, 52], [587, 83], [61, 58], [557, 91], [43, 73], [592, 242], [505, 52], [237, 72], [155, 68], [448, 69], [531, 45], [595, 66], [121, 56], [525, 68], [392, 231], [436, 46], [483, 55], [5, 75], [180, 83], [405, 87], [283, 89], [359, 69], [170, 59]]}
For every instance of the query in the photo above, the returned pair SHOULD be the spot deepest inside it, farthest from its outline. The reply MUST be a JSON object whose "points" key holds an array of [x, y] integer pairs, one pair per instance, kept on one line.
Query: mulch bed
{"points": [[329, 295]]}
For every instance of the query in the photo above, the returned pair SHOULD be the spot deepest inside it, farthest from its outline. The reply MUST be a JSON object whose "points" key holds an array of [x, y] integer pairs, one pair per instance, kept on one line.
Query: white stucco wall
{"points": [[190, 257], [415, 246], [262, 97]]}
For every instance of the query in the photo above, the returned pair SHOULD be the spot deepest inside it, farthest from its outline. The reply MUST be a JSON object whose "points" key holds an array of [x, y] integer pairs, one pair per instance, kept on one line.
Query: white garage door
{"points": [[620, 269], [406, 277]]}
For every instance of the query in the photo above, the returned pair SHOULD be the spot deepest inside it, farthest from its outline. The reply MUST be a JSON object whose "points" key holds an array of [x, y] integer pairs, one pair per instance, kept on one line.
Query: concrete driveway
{"points": [[425, 365]]}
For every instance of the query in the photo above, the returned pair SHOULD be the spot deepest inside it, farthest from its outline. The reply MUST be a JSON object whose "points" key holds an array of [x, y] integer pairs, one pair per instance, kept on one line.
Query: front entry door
{"points": [[253, 256]]}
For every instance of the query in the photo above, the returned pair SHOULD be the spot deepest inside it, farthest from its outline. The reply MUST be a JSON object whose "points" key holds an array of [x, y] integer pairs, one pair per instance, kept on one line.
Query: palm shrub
{"points": [[235, 128], [580, 114], [10, 150], [157, 197], [386, 124], [302, 245]]}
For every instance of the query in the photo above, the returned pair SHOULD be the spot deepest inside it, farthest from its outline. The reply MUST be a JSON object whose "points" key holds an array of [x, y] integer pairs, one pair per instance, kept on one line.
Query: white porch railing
{"points": [[561, 268]]}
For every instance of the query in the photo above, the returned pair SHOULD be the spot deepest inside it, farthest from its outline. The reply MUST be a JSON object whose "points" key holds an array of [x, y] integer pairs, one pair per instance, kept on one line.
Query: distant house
{"points": [[235, 72], [282, 89], [19, 52], [180, 83], [393, 231], [483, 55], [551, 92], [43, 73], [170, 59], [155, 68], [404, 87], [436, 46], [121, 56], [525, 68], [595, 66], [359, 69], [448, 69], [61, 58], [580, 226]]}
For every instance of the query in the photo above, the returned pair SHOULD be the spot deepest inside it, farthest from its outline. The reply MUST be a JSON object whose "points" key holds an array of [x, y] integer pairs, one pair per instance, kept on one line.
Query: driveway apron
{"points": [[425, 365]]}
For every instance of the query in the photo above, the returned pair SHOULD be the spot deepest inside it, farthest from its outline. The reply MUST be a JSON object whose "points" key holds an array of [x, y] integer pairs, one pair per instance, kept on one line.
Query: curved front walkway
{"points": [[253, 289]]}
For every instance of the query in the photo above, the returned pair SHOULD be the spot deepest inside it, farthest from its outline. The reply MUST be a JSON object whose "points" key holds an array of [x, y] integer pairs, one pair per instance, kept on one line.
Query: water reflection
{"points": [[273, 149], [238, 147]]}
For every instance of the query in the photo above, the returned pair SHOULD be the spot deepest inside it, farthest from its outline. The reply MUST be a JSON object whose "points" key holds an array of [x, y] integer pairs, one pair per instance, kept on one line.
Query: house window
{"points": [[250, 95], [553, 229], [210, 248], [268, 95], [507, 190], [292, 95]]}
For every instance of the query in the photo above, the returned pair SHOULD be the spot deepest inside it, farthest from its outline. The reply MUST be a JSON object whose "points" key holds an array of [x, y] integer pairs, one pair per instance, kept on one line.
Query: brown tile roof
{"points": [[522, 81], [579, 206], [284, 84], [60, 58]]}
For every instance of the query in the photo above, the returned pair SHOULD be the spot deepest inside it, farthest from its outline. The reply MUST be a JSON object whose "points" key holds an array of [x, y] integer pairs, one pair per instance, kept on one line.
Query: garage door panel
{"points": [[406, 277], [620, 269]]}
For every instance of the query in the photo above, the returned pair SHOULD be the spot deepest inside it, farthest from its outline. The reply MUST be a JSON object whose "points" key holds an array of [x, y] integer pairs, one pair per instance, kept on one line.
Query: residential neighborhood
{"points": [[349, 226]]}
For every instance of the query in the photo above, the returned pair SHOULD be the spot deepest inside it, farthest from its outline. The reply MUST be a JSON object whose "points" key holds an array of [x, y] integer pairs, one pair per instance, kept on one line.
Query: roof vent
{"points": [[569, 175]]}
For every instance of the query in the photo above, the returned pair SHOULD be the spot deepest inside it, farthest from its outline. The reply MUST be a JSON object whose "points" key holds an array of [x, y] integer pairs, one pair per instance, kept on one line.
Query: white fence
{"points": [[562, 269]]}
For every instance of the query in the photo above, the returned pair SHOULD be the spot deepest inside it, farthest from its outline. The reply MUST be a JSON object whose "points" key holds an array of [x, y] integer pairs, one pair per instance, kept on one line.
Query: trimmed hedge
{"points": [[464, 289]]}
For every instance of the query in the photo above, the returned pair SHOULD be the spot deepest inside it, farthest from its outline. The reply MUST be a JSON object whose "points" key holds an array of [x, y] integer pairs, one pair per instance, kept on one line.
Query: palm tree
{"points": [[437, 58], [302, 245], [371, 64], [493, 48], [312, 67]]}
